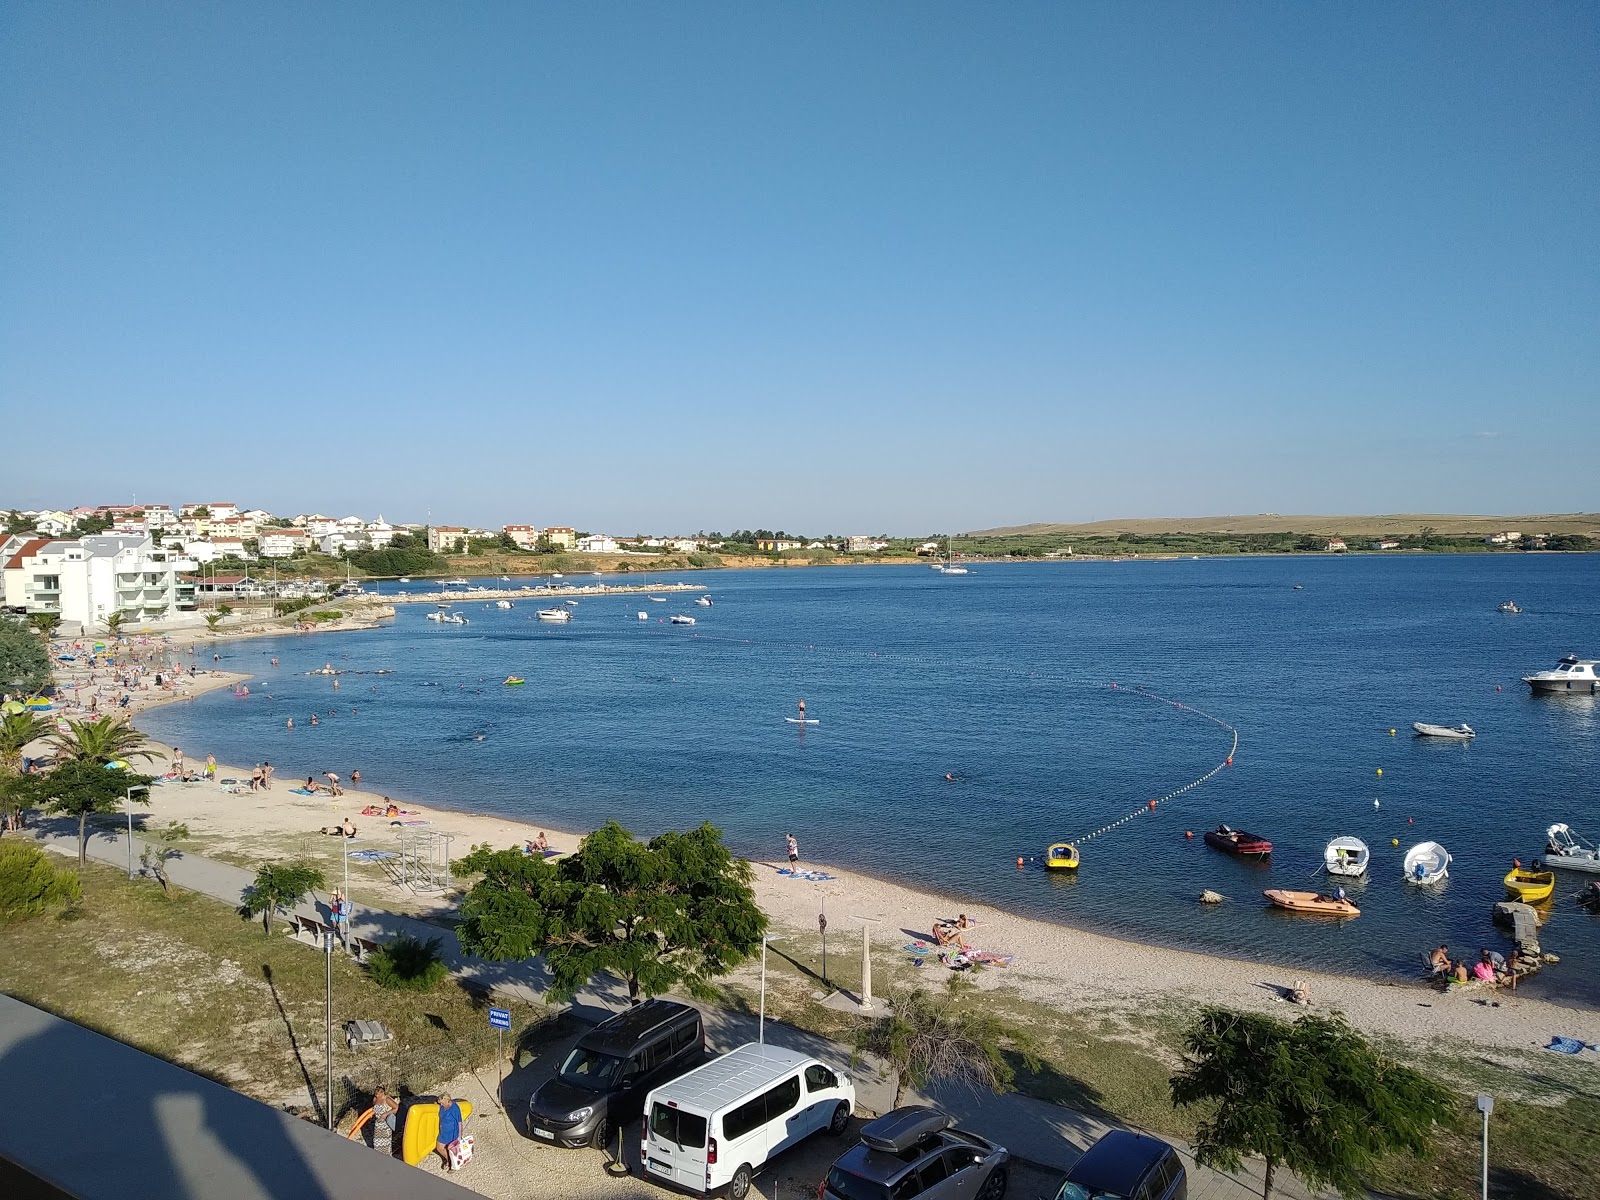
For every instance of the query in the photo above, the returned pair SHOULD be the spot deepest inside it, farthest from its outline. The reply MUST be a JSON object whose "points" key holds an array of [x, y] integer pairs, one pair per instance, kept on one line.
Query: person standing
{"points": [[449, 1128], [266, 777], [384, 1113], [211, 768], [793, 849]]}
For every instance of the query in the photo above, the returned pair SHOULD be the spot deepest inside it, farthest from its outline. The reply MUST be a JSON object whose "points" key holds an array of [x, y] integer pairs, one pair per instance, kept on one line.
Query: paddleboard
{"points": [[422, 1130], [800, 721]]}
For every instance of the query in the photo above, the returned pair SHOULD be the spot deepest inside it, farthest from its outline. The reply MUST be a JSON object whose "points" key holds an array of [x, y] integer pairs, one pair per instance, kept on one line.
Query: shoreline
{"points": [[1055, 963]]}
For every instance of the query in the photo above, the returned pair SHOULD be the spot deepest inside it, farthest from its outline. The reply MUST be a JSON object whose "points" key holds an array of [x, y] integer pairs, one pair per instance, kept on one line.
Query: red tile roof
{"points": [[28, 548]]}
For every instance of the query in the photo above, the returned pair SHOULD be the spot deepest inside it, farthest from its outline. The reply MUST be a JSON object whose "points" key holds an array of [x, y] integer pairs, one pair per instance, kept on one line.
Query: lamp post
{"points": [[327, 1105], [1485, 1106], [761, 1026], [128, 808], [345, 924]]}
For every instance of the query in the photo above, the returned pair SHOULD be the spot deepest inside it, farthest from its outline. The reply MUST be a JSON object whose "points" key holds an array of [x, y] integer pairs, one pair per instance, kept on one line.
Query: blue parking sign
{"points": [[500, 1018]]}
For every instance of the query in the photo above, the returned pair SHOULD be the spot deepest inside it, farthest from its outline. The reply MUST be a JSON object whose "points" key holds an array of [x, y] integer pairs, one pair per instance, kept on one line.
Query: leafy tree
{"points": [[24, 659], [278, 888], [30, 883], [156, 855], [408, 963], [678, 909], [201, 513], [82, 788], [99, 742], [17, 523], [928, 1037], [1311, 1095], [17, 731], [44, 624]]}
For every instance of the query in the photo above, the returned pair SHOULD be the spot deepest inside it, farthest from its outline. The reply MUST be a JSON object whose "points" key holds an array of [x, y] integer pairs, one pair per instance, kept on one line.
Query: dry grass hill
{"points": [[1446, 524]]}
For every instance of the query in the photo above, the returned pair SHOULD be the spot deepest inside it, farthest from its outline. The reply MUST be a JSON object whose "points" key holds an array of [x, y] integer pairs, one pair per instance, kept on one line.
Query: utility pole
{"points": [[327, 1104], [1485, 1106]]}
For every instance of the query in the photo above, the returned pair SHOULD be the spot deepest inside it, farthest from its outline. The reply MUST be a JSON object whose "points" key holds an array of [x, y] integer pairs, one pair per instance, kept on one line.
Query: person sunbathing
{"points": [[948, 935], [541, 843]]}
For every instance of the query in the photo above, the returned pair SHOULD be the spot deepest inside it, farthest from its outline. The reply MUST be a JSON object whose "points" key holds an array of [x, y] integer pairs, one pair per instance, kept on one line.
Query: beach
{"points": [[1052, 963]]}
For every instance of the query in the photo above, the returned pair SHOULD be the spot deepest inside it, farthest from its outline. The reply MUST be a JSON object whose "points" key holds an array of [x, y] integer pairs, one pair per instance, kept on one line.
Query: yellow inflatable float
{"points": [[1063, 856], [422, 1130]]}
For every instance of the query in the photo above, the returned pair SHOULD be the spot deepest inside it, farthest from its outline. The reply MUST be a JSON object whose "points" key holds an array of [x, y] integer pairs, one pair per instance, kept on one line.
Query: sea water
{"points": [[1022, 681]]}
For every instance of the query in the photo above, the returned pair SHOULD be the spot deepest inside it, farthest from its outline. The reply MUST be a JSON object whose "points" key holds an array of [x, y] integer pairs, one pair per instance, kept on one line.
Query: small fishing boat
{"points": [[644, 616], [1571, 674], [1461, 733], [1510, 606], [504, 604], [1063, 856], [514, 680], [704, 601], [1346, 856], [555, 614], [457, 583], [405, 579], [1426, 864], [1563, 848], [680, 619], [557, 575], [1530, 886], [1237, 841], [656, 599], [1315, 903], [437, 616]]}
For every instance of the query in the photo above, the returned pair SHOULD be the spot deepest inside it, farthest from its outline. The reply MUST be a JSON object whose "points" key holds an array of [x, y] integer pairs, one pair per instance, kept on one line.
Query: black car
{"points": [[913, 1152], [1124, 1165], [604, 1080]]}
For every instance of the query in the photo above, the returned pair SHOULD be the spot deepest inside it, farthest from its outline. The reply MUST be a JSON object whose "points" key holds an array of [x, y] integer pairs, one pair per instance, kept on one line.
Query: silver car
{"points": [[913, 1153]]}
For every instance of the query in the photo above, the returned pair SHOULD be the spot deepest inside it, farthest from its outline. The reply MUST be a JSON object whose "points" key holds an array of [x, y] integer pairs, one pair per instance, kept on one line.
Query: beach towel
{"points": [[990, 958], [371, 855], [803, 873], [411, 822], [1566, 1045], [918, 947], [302, 792]]}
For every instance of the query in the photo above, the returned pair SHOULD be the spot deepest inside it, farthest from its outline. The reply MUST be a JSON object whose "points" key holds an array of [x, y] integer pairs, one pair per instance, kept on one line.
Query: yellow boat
{"points": [[1063, 856], [1530, 886]]}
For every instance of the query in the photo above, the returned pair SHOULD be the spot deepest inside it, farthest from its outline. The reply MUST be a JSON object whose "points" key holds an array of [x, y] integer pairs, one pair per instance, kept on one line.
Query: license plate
{"points": [[656, 1164], [543, 1133]]}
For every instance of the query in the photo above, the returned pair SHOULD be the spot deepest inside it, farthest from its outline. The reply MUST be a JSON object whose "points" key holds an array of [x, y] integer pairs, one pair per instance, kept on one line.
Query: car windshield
{"points": [[590, 1069], [1076, 1191], [852, 1187]]}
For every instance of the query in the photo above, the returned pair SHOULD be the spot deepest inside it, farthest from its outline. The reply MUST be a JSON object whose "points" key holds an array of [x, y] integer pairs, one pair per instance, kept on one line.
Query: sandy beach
{"points": [[1053, 964]]}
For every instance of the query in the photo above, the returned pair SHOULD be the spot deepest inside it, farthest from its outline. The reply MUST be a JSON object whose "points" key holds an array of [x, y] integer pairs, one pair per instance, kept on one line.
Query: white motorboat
{"points": [[1571, 674], [555, 614], [436, 616], [405, 579], [1461, 733], [505, 579], [456, 582], [644, 616], [572, 604], [504, 604], [704, 601], [1510, 606], [557, 575], [656, 599], [680, 619], [1426, 864], [1346, 856], [1563, 848]]}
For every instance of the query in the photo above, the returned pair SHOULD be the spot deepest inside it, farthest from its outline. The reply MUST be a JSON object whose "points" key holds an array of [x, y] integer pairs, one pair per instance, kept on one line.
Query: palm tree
{"points": [[114, 624], [45, 623], [213, 620], [17, 730], [101, 741]]}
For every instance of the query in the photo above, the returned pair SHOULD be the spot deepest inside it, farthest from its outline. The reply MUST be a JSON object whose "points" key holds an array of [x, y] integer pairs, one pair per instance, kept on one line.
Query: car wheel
{"points": [[995, 1186], [739, 1185], [600, 1138], [841, 1118]]}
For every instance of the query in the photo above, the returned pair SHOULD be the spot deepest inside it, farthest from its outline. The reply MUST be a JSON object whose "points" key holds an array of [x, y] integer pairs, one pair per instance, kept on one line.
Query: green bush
{"points": [[29, 884], [704, 560], [407, 963]]}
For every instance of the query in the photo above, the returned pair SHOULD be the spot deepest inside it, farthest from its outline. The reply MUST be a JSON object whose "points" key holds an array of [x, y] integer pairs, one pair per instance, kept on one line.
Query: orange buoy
{"points": [[1152, 804], [1230, 760]]}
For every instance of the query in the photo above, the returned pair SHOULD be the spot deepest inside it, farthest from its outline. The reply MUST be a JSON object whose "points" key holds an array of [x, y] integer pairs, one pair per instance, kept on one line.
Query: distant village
{"points": [[150, 562]]}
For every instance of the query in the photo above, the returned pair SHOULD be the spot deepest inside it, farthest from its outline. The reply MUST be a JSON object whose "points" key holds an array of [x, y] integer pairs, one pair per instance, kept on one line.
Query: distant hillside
{"points": [[1446, 524]]}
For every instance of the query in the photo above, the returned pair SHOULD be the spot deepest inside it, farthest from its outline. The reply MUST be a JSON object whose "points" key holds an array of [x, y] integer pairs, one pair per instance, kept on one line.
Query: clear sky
{"points": [[860, 267]]}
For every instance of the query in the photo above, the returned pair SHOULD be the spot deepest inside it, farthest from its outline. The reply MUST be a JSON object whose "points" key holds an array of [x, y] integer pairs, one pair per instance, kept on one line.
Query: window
{"points": [[750, 1115], [590, 1069], [675, 1125], [908, 1187], [853, 1187], [961, 1158], [819, 1078], [934, 1170], [685, 1036], [652, 1056], [783, 1099], [1171, 1171]]}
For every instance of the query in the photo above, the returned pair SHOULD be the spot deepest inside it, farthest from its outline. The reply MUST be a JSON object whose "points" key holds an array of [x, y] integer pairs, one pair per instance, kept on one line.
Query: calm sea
{"points": [[1003, 678]]}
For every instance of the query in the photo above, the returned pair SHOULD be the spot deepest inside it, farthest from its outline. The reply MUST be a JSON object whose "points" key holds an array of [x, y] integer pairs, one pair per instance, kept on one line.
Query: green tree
{"points": [[157, 854], [30, 883], [213, 619], [676, 910], [99, 742], [278, 888], [44, 624], [24, 658], [17, 731], [408, 963], [1311, 1095], [114, 624], [82, 788], [928, 1037]]}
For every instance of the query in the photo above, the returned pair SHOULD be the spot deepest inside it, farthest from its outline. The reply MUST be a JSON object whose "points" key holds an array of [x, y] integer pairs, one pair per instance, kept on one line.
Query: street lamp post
{"points": [[327, 1106], [128, 807], [1485, 1106], [345, 924], [761, 1026]]}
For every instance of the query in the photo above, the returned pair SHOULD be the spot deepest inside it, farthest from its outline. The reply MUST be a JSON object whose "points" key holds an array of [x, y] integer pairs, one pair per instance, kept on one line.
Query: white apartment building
{"points": [[218, 510], [284, 543], [597, 543], [87, 580], [380, 533], [340, 542], [447, 539], [525, 536]]}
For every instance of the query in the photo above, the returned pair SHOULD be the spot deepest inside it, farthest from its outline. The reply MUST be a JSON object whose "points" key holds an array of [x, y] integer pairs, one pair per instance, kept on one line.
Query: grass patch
{"points": [[189, 981]]}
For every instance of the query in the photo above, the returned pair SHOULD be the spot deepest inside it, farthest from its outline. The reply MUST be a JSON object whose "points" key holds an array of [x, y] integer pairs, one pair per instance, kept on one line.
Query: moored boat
{"points": [[1237, 841], [1564, 848], [1427, 863], [1461, 733], [1346, 856], [555, 614], [1063, 856], [1571, 674], [704, 601], [1510, 606], [680, 619], [1530, 886], [1316, 903]]}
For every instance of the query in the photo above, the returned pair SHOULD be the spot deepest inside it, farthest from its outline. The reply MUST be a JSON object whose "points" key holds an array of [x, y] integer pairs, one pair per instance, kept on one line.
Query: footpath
{"points": [[1049, 1135]]}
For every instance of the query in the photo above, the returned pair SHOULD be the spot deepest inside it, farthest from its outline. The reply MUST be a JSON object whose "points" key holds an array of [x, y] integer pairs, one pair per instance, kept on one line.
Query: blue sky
{"points": [[857, 267]]}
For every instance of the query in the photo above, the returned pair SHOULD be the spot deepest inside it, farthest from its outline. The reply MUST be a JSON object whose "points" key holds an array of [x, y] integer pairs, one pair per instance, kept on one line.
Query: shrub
{"points": [[30, 884], [704, 560], [407, 963]]}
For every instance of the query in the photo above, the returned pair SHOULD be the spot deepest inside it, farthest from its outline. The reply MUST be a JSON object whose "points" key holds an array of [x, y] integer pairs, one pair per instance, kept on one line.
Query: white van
{"points": [[716, 1126]]}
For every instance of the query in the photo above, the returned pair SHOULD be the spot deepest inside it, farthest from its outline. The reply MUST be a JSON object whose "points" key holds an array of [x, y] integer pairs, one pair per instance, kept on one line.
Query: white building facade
{"points": [[89, 579]]}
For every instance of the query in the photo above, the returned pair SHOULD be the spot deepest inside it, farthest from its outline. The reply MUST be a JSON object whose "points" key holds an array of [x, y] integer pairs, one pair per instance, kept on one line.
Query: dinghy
{"points": [[1427, 863], [1346, 856], [1237, 841], [1312, 902], [1461, 733], [1063, 856], [1530, 886], [1563, 848]]}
